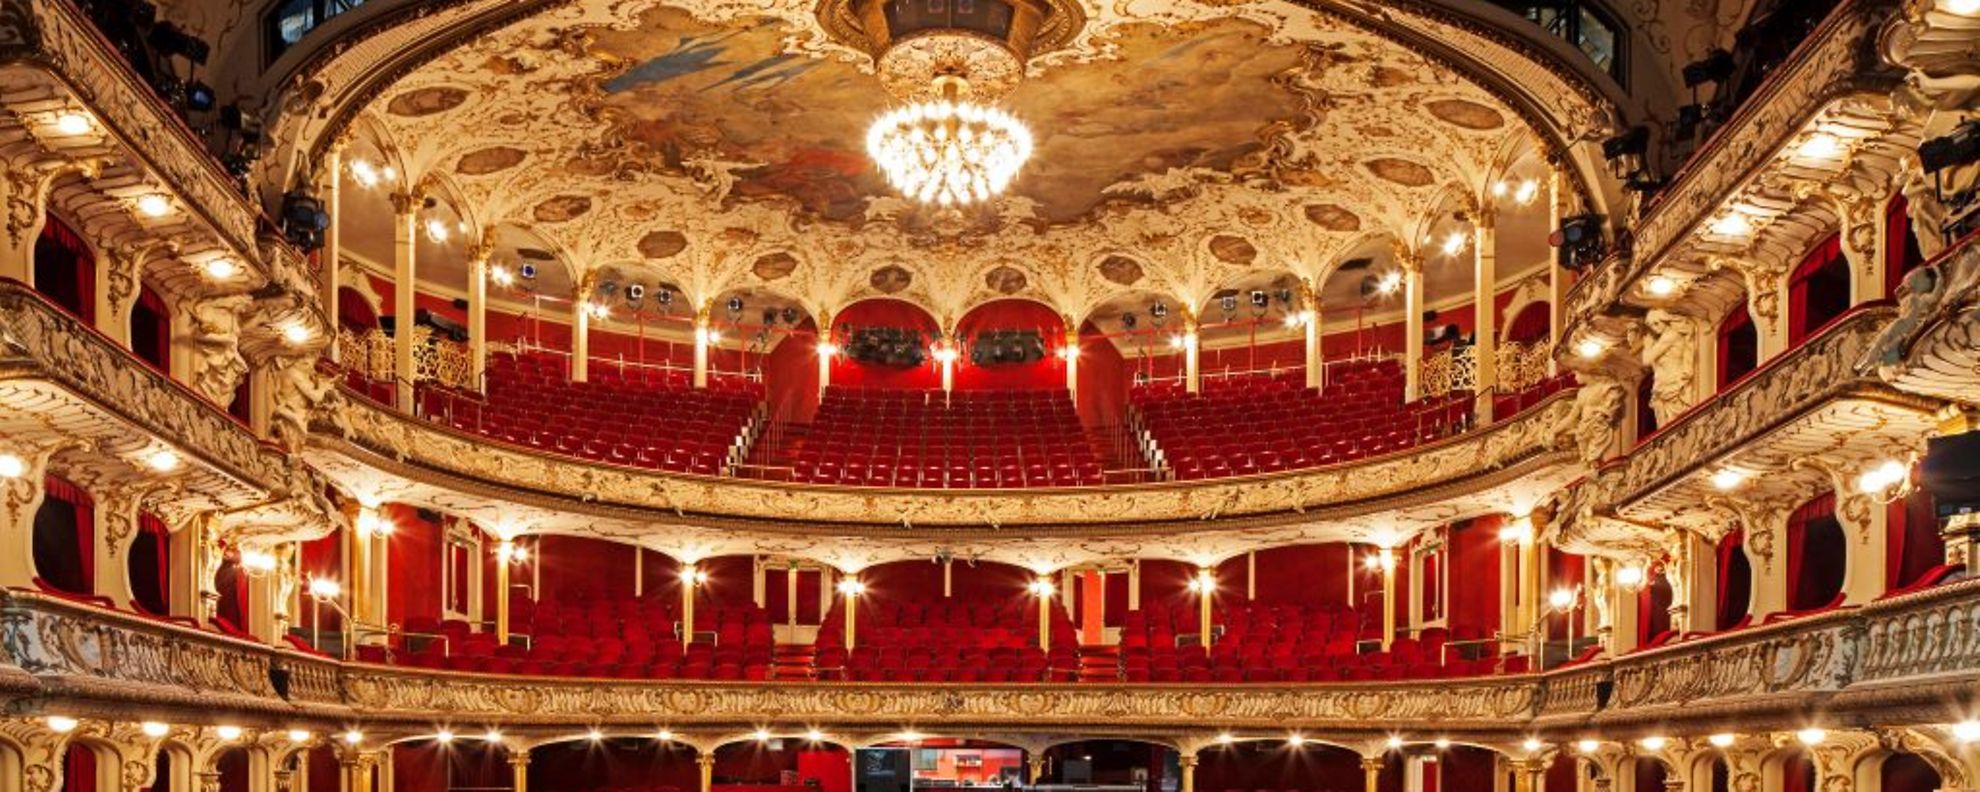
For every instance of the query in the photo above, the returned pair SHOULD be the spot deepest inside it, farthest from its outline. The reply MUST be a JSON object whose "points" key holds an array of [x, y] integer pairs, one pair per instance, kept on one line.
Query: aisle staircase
{"points": [[1100, 663]]}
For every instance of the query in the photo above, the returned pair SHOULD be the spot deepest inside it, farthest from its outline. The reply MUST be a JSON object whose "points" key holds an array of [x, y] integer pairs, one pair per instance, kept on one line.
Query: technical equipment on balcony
{"points": [[303, 220], [1951, 473], [1579, 240], [1006, 347], [887, 346]]}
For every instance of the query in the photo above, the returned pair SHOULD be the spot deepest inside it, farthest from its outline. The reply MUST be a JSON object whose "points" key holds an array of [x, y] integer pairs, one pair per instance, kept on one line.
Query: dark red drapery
{"points": [[65, 269], [1818, 291], [78, 501]]}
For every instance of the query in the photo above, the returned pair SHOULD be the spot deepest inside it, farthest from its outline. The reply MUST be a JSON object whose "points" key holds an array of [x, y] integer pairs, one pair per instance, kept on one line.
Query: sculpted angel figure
{"points": [[1591, 425], [1672, 353]]}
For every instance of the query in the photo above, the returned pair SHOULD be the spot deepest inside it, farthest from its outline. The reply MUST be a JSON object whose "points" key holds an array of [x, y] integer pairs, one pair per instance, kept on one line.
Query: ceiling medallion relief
{"points": [[1200, 138]]}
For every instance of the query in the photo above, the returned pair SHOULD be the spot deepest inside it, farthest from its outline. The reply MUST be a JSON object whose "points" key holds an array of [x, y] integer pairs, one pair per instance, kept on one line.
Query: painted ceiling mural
{"points": [[1181, 146]]}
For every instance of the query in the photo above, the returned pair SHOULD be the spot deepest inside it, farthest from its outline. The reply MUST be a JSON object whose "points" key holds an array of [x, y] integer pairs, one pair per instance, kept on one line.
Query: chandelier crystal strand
{"points": [[949, 151]]}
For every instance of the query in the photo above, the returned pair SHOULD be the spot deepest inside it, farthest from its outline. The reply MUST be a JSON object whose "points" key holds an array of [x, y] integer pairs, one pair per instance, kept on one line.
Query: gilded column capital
{"points": [[406, 202], [519, 757]]}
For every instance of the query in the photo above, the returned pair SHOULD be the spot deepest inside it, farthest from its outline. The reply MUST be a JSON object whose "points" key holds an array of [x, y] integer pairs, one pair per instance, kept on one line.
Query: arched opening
{"points": [[1818, 555], [1257, 766], [1906, 772], [782, 765], [1011, 344], [161, 773], [885, 344], [1653, 609], [1739, 346], [1649, 773], [231, 612], [1646, 416], [149, 566], [151, 330], [236, 768], [1798, 772], [1721, 775], [461, 764], [984, 630], [65, 269], [1735, 589], [79, 768], [1464, 768], [354, 312], [1532, 325], [1123, 763], [65, 539], [1915, 552], [1901, 251], [938, 763], [1818, 291], [627, 764]]}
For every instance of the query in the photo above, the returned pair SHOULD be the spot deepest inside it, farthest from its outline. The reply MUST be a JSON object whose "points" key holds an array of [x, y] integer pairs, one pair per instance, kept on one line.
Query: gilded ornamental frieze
{"points": [[1870, 657]]}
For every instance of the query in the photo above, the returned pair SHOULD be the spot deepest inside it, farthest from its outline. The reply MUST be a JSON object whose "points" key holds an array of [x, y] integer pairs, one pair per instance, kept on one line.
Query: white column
{"points": [[331, 265], [1192, 357], [1134, 585], [758, 582], [477, 297], [703, 335], [405, 287], [1485, 311], [1316, 364], [1071, 356], [827, 349], [580, 335], [1557, 284], [1412, 270]]}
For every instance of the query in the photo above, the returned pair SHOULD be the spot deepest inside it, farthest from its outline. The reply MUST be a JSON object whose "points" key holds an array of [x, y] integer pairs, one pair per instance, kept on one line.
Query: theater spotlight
{"points": [[1960, 147], [1715, 67], [1633, 143]]}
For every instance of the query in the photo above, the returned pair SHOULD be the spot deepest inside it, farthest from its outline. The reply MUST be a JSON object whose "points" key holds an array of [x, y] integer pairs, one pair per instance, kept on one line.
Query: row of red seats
{"points": [[929, 439], [631, 638], [950, 642], [628, 416]]}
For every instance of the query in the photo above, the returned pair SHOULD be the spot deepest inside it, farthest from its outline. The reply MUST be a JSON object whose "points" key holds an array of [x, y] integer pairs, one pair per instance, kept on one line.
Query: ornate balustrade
{"points": [[438, 360], [1888, 659], [1449, 369], [1818, 371], [98, 399]]}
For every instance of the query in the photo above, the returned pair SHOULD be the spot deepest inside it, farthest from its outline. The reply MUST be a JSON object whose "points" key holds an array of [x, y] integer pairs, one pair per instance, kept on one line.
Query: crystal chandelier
{"points": [[949, 151], [946, 63]]}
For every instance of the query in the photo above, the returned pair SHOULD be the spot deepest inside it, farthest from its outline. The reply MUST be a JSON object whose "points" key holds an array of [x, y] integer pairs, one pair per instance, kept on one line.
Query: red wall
{"points": [[883, 313], [921, 581], [1104, 377], [413, 565], [595, 567], [1046, 373], [792, 371], [1246, 766], [1474, 576]]}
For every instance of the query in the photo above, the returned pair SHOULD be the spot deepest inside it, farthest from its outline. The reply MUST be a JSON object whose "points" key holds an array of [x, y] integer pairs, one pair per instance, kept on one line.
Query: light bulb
{"points": [[154, 205], [1296, 740], [1963, 7], [443, 736], [664, 735], [12, 466], [221, 268], [1584, 746], [814, 735], [1966, 731], [761, 735], [163, 460], [1820, 145], [62, 724], [594, 735], [1661, 285], [228, 733], [1591, 348], [1728, 479], [73, 124], [1720, 740], [1812, 736], [297, 333], [154, 729], [1733, 224], [1652, 743], [299, 735]]}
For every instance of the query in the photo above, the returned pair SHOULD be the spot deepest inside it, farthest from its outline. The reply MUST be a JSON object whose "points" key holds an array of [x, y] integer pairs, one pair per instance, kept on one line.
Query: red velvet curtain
{"points": [[84, 507], [1738, 346], [78, 768], [1901, 253], [151, 330], [155, 597], [1735, 580], [1818, 291], [1530, 325], [1913, 545], [65, 270], [1799, 524], [1653, 606]]}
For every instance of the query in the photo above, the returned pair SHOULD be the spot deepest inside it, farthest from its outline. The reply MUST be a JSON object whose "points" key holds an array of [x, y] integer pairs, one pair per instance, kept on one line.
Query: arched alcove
{"points": [[631, 764], [151, 329], [1818, 289], [1735, 578], [64, 541], [65, 269], [1739, 346], [149, 566], [1817, 555], [773, 763], [1905, 772]]}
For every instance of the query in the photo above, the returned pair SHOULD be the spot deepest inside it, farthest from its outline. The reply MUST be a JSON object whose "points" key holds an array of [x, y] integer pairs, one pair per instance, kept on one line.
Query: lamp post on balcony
{"points": [[327, 590], [1043, 589], [1563, 601], [507, 553], [691, 579], [1204, 586], [851, 587]]}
